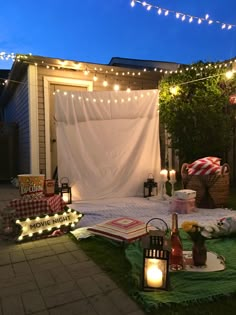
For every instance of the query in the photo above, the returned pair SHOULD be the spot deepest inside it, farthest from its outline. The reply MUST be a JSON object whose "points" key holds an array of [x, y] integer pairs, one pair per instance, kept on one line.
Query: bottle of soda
{"points": [[176, 254]]}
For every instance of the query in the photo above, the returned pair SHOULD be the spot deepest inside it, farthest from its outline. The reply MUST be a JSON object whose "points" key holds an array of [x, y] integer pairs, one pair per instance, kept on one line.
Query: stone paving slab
{"points": [[33, 302], [53, 276], [82, 307], [12, 305]]}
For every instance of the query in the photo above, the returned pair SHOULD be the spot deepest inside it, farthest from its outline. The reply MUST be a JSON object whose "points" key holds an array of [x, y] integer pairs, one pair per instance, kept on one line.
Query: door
{"points": [[53, 138]]}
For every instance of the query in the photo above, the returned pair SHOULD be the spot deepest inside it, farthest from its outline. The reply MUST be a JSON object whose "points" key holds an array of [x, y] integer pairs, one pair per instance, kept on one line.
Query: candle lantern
{"points": [[65, 190], [150, 187], [155, 273]]}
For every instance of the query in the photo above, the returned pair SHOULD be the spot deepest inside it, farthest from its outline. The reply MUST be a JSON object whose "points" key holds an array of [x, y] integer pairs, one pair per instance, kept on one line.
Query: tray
{"points": [[214, 262]]}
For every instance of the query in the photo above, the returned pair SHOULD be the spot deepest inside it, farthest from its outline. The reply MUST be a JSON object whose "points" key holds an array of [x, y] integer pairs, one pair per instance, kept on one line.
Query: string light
{"points": [[90, 69], [125, 97], [95, 78], [229, 74], [116, 87], [105, 83], [7, 56], [175, 89], [191, 18]]}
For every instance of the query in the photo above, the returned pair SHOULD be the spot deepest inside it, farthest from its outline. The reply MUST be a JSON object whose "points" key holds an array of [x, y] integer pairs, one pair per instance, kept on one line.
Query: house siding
{"points": [[17, 111]]}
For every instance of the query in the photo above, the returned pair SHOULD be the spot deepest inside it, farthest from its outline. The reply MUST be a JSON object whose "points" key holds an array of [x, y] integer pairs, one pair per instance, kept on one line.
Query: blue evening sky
{"points": [[95, 31]]}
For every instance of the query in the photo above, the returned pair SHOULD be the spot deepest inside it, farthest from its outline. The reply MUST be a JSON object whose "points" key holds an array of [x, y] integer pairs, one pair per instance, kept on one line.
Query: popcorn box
{"points": [[183, 206], [31, 186], [185, 194]]}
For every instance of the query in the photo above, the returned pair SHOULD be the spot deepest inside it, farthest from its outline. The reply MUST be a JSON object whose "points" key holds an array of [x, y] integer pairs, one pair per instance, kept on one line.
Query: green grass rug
{"points": [[188, 287], [192, 293]]}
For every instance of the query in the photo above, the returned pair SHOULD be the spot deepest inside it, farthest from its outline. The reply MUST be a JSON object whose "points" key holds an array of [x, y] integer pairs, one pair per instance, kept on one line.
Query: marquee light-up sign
{"points": [[38, 225]]}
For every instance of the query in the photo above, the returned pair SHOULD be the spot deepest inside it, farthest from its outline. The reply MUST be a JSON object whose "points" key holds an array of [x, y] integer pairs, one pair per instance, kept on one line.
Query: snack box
{"points": [[185, 194], [183, 206]]}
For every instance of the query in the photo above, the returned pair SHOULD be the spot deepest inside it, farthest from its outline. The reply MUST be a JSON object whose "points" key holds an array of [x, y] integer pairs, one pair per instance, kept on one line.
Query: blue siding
{"points": [[17, 110]]}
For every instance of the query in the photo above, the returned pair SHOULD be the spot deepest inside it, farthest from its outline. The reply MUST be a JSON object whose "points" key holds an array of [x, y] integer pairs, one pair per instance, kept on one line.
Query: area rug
{"points": [[97, 211], [187, 287]]}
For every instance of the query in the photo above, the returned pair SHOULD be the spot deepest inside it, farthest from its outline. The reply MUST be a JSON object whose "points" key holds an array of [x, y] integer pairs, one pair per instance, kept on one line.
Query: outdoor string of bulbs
{"points": [[183, 16]]}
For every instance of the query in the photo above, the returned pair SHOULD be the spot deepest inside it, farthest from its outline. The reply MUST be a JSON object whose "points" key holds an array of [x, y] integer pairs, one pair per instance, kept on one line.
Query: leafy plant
{"points": [[197, 117]]}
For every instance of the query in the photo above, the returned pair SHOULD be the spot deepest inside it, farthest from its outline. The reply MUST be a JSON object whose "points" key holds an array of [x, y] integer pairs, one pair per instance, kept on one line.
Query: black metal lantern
{"points": [[65, 190], [155, 273], [150, 187]]}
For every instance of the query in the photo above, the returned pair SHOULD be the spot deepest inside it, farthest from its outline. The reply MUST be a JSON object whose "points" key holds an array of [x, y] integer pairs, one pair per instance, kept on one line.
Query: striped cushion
{"points": [[205, 166], [120, 229], [204, 162], [211, 169]]}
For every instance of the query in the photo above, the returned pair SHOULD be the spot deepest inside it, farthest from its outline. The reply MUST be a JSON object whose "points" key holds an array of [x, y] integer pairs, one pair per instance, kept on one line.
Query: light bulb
{"points": [[116, 87], [229, 74], [105, 83], [174, 90]]}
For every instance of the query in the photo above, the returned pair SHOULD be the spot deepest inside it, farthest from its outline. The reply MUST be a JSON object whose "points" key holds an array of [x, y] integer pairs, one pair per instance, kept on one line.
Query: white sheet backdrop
{"points": [[107, 142]]}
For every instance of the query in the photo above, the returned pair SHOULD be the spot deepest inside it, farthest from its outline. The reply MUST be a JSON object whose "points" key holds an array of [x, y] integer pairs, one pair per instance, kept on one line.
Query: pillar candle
{"points": [[172, 175], [163, 174]]}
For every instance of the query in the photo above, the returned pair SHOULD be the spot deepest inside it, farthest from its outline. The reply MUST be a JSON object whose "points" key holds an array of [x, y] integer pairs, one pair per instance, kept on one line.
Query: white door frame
{"points": [[63, 81], [33, 119]]}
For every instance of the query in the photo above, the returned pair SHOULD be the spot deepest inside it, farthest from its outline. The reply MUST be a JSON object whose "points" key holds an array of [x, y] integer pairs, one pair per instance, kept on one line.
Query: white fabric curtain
{"points": [[107, 142]]}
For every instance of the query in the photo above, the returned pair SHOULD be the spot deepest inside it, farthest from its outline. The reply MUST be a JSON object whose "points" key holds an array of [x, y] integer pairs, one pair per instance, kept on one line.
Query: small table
{"points": [[25, 208]]}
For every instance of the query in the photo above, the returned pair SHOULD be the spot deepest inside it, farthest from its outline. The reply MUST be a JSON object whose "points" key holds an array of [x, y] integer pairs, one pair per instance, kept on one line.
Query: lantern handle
{"points": [[166, 226], [66, 180]]}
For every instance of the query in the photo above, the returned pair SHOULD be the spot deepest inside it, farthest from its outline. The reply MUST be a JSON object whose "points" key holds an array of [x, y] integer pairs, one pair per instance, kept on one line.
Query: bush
{"points": [[197, 117]]}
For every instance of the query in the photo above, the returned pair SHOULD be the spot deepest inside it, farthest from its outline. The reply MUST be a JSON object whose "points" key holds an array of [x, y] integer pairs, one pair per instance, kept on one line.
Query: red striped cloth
{"points": [[205, 166]]}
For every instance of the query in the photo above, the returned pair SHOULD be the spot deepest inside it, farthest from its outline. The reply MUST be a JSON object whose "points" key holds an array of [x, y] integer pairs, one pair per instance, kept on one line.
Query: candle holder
{"points": [[162, 195], [162, 190], [172, 182]]}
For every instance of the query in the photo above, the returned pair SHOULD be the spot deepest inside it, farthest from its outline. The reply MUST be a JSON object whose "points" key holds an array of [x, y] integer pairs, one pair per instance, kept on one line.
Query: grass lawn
{"points": [[111, 258]]}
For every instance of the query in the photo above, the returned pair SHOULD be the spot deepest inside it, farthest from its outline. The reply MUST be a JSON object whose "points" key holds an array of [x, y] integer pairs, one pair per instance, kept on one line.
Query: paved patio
{"points": [[54, 276]]}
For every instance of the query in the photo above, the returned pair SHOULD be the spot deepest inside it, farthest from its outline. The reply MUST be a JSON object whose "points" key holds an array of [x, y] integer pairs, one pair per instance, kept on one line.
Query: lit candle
{"points": [[172, 175], [65, 198], [163, 174], [154, 277]]}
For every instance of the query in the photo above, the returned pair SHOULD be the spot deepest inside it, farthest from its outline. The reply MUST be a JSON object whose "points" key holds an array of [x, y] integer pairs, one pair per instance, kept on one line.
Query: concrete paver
{"points": [[54, 276]]}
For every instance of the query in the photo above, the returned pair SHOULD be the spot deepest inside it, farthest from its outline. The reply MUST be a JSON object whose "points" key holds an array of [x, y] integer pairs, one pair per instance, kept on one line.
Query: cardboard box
{"points": [[185, 194], [183, 206]]}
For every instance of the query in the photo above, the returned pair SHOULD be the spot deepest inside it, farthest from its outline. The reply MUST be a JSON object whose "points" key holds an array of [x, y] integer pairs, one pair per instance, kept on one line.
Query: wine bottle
{"points": [[176, 254]]}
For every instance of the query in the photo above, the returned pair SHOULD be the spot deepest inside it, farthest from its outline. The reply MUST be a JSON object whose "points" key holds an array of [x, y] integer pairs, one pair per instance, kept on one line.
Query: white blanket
{"points": [[97, 211]]}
